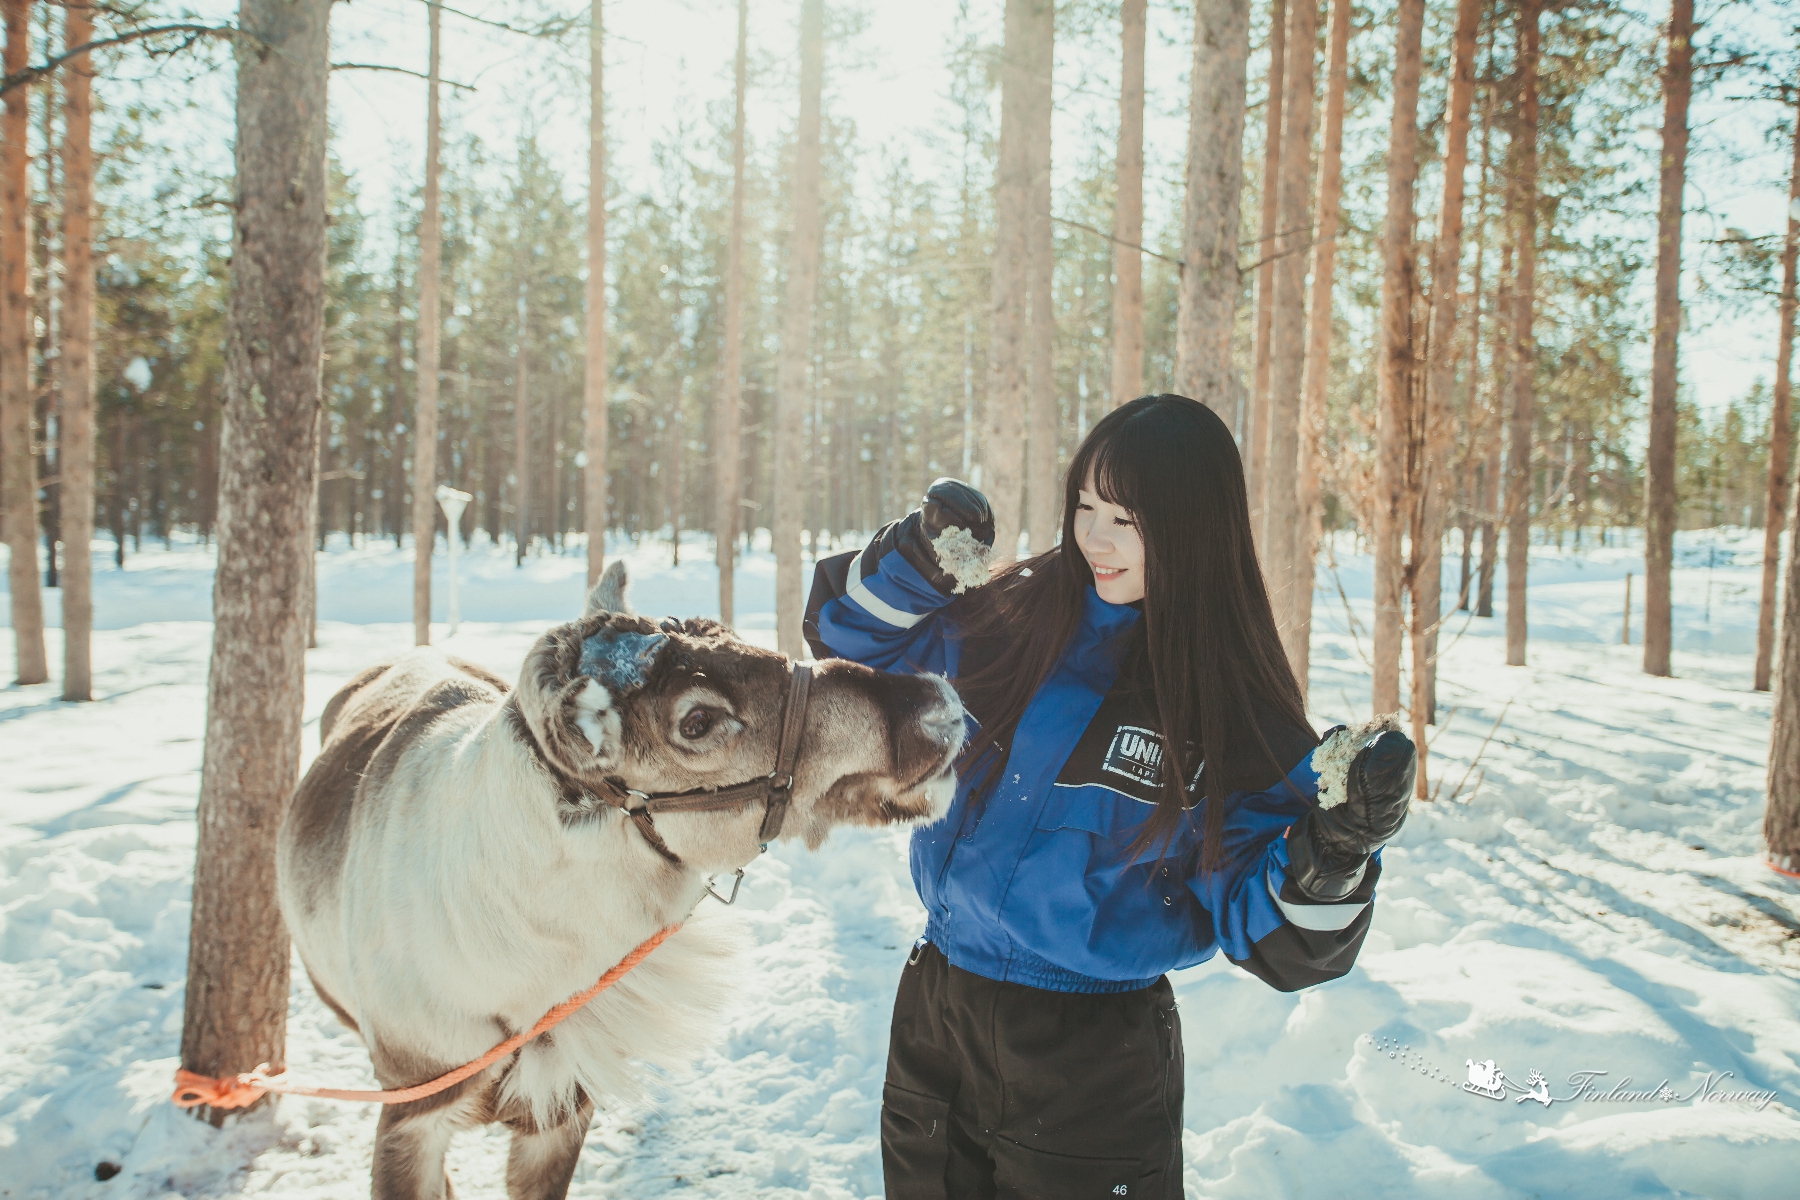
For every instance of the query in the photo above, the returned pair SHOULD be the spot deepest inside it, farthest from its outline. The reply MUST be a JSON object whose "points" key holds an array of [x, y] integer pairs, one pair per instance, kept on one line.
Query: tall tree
{"points": [[796, 337], [426, 357], [237, 981], [1524, 341], [593, 388], [1659, 460], [1395, 362], [1003, 438], [1780, 429], [75, 418], [522, 472], [1436, 430], [729, 417], [1209, 238], [1256, 413], [1781, 821], [1280, 404], [1044, 511], [18, 457], [1297, 624], [1128, 211]]}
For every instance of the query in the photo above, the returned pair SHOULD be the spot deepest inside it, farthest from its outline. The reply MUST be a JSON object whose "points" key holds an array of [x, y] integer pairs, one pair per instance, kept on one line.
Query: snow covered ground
{"points": [[1589, 901]]}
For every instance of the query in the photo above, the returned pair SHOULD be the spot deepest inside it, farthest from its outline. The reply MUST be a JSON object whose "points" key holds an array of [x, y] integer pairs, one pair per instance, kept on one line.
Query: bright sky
{"points": [[668, 59]]}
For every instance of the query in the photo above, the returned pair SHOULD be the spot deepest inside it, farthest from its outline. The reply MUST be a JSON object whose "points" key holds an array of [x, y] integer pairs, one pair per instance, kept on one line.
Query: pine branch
{"points": [[194, 33], [467, 87]]}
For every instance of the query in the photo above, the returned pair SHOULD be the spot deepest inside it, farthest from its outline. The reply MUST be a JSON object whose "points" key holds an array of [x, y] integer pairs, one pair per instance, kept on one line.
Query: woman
{"points": [[1035, 1049]]}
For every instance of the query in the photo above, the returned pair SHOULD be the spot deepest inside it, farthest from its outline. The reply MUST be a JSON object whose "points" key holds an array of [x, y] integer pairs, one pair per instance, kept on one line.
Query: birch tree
{"points": [[792, 392], [426, 358], [728, 417], [1128, 211], [1395, 365], [1780, 431], [1278, 537], [18, 455], [237, 979], [593, 388], [1297, 623], [1215, 175], [75, 418], [1659, 460]]}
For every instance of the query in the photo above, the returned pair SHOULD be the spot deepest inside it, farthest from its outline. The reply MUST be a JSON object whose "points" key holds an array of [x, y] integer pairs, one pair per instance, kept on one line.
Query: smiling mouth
{"points": [[1105, 573]]}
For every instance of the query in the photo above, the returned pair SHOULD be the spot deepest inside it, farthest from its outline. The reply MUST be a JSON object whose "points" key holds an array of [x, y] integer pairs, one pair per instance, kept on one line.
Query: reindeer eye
{"points": [[698, 723]]}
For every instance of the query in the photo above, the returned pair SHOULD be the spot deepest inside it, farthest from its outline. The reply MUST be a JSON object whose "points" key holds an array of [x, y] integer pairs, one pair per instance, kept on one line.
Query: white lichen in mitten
{"points": [[1335, 754], [964, 557]]}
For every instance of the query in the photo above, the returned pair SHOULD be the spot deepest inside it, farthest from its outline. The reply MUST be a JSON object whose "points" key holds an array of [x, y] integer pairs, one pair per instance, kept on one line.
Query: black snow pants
{"points": [[998, 1090]]}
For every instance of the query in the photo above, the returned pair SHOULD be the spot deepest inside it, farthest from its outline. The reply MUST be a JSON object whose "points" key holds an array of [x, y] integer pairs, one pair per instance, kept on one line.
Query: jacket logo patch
{"points": [[1136, 753]]}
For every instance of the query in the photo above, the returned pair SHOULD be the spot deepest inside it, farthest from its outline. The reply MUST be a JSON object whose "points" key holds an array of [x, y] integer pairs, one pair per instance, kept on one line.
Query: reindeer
{"points": [[460, 858]]}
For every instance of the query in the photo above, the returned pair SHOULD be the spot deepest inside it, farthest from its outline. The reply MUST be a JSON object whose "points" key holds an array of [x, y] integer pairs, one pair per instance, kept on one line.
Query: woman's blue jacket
{"points": [[1034, 884]]}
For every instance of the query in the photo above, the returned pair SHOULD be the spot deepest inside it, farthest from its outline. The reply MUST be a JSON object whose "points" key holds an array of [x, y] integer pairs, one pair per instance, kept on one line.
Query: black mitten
{"points": [[950, 566], [1328, 848]]}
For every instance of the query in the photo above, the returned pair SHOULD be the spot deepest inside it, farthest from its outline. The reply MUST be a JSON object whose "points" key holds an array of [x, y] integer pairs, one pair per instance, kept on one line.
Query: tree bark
{"points": [[1440, 375], [796, 339], [1659, 461], [237, 981], [593, 387], [1524, 342], [1500, 368], [1256, 414], [1128, 212], [1780, 433], [1043, 514], [425, 418], [1215, 176], [728, 420], [18, 461], [522, 416], [1003, 438], [1781, 820], [1394, 380], [1311, 465], [75, 454], [1287, 339]]}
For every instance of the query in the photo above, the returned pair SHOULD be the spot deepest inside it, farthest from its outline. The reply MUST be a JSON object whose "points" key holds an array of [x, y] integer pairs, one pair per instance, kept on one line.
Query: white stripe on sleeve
{"points": [[874, 605], [1320, 918]]}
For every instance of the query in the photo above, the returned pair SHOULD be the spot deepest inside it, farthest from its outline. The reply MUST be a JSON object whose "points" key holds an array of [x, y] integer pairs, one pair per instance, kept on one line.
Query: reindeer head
{"points": [[676, 706]]}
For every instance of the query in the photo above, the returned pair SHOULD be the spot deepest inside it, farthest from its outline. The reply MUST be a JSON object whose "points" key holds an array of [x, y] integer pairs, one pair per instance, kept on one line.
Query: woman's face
{"points": [[1109, 540]]}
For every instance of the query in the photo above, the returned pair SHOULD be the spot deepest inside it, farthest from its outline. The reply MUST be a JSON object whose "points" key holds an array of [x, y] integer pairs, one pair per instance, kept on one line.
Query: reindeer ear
{"points": [[608, 595]]}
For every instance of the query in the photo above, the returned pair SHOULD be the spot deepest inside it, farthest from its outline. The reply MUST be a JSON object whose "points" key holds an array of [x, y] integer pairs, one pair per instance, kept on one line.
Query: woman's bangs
{"points": [[1113, 463]]}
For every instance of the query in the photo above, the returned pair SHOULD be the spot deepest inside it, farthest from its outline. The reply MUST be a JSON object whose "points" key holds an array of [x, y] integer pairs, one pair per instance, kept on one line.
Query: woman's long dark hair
{"points": [[1214, 660]]}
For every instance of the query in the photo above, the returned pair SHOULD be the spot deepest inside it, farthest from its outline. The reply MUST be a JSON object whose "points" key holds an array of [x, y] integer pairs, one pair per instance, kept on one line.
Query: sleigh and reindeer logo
{"points": [[1485, 1079]]}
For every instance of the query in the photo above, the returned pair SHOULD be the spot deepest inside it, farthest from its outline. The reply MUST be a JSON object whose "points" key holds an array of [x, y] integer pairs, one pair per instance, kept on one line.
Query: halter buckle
{"points": [[737, 882]]}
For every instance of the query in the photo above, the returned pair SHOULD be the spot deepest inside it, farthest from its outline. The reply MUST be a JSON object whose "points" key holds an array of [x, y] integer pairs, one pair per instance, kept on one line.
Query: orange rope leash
{"points": [[240, 1091]]}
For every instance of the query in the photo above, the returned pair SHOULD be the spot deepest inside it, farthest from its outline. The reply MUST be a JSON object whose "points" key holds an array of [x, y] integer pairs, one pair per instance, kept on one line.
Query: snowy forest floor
{"points": [[1590, 901]]}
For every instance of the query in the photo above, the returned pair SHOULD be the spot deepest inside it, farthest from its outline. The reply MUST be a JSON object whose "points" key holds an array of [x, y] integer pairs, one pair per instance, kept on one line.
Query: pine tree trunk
{"points": [[790, 483], [1311, 455], [1524, 343], [1394, 380], [1781, 821], [1215, 176], [237, 980], [522, 419], [593, 389], [1780, 433], [1043, 499], [18, 462], [1493, 470], [1287, 339], [1440, 376], [1659, 460], [75, 455], [728, 419], [1003, 438], [1128, 213], [676, 473], [425, 418], [1256, 415]]}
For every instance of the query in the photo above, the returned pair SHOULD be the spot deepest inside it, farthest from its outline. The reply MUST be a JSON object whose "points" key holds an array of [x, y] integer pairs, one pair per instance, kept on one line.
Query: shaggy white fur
{"points": [[959, 553], [1335, 754]]}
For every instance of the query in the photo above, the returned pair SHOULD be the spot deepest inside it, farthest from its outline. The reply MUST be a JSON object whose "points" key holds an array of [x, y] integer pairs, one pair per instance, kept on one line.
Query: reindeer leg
{"points": [[411, 1140], [542, 1160]]}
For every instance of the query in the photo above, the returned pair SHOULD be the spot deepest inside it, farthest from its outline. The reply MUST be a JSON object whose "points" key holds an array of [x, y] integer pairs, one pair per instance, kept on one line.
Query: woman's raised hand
{"points": [[946, 539], [1328, 848]]}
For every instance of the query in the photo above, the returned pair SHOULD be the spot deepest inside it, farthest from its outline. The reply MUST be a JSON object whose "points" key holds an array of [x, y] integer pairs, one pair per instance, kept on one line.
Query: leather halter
{"points": [[775, 790]]}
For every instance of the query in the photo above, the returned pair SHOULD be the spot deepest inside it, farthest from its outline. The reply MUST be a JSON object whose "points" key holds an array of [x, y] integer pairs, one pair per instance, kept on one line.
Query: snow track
{"points": [[1595, 904]]}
